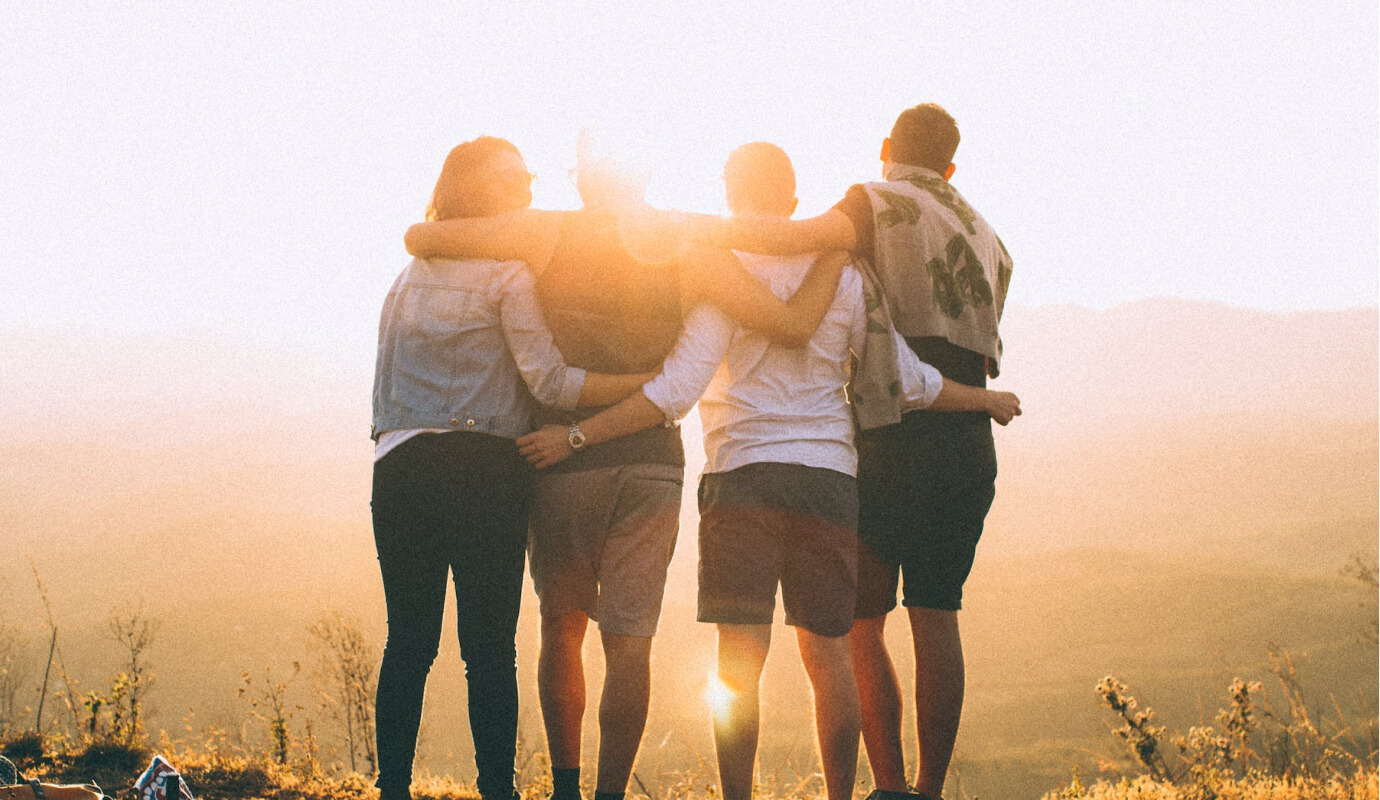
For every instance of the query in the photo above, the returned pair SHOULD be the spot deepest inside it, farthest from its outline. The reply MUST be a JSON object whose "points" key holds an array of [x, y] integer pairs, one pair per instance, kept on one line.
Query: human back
{"points": [[942, 267], [461, 347], [443, 359], [610, 311], [770, 403], [607, 310]]}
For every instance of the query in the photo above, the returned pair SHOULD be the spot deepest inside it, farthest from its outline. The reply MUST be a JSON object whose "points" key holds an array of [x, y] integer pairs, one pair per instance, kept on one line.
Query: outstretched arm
{"points": [[540, 363], [832, 230], [550, 444], [525, 234], [716, 276]]}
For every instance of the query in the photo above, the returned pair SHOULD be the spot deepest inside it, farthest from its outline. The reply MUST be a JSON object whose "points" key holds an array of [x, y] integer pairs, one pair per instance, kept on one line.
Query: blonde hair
{"points": [[759, 177], [462, 160]]}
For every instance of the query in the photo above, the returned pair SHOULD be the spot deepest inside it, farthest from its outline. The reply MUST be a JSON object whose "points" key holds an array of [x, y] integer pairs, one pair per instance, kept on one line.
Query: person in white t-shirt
{"points": [[778, 499]]}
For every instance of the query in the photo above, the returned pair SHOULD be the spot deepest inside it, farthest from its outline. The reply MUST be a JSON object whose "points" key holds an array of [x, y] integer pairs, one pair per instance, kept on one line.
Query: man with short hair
{"points": [[926, 480], [778, 499]]}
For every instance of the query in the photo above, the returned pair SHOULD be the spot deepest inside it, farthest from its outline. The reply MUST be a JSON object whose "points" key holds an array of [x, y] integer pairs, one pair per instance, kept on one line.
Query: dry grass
{"points": [[1360, 786]]}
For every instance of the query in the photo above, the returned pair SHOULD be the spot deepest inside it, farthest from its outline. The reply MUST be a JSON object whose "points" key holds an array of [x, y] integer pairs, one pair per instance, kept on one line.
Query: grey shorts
{"points": [[600, 542], [768, 523]]}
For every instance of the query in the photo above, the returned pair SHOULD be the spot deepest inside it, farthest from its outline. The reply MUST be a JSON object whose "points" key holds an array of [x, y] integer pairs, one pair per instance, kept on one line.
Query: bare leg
{"points": [[742, 653], [623, 708], [561, 686], [879, 693], [837, 718], [939, 682]]}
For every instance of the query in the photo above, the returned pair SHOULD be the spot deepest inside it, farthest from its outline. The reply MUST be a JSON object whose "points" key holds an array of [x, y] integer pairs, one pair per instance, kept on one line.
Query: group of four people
{"points": [[605, 325]]}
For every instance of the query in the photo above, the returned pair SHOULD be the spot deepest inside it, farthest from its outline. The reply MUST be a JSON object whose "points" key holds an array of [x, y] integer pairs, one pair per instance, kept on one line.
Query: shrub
{"points": [[27, 750], [1252, 750]]}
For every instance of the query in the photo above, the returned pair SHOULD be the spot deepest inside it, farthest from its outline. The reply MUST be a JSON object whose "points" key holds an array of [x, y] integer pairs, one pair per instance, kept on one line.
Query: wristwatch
{"points": [[576, 437]]}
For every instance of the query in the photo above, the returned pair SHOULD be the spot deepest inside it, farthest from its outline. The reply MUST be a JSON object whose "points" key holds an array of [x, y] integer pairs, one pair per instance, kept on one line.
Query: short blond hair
{"points": [[759, 176]]}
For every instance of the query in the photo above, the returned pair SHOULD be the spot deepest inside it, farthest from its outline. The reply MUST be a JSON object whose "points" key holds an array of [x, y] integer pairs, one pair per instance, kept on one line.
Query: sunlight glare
{"points": [[717, 695]]}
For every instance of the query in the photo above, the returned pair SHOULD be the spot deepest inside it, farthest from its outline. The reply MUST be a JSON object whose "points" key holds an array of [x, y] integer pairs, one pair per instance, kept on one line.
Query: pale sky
{"points": [[251, 166]]}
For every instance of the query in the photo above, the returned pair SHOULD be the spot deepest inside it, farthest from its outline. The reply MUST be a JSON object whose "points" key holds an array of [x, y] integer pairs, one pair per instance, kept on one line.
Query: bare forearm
{"points": [[435, 240], [771, 235], [809, 304], [526, 235], [601, 389], [745, 300], [954, 396], [831, 230], [632, 414]]}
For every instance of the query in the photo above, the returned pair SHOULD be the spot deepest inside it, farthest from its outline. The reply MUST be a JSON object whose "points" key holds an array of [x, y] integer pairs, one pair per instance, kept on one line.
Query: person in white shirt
{"points": [[778, 500], [926, 481]]}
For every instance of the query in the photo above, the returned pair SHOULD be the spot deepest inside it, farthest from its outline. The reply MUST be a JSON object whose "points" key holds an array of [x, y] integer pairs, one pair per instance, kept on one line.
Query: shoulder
{"points": [[850, 284], [856, 203]]}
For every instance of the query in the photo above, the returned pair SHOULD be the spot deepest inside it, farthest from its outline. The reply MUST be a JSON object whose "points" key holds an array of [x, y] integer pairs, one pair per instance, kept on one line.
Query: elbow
{"points": [[413, 241]]}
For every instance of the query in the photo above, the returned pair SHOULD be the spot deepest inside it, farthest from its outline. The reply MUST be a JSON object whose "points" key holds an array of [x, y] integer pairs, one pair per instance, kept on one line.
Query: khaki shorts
{"points": [[601, 540]]}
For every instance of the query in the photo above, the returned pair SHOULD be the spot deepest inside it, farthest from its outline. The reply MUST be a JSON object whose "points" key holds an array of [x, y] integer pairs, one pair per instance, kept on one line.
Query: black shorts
{"points": [[769, 523], [924, 489]]}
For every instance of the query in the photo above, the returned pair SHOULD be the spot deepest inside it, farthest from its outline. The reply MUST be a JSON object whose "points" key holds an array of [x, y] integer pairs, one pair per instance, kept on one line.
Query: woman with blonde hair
{"points": [[464, 356]]}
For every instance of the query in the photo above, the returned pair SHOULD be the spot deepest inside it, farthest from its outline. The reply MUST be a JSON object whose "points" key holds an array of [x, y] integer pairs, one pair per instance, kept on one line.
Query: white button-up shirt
{"points": [[763, 402]]}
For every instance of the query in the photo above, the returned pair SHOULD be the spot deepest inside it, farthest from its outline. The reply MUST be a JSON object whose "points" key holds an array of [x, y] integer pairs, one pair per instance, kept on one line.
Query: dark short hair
{"points": [[760, 175], [924, 136], [464, 159]]}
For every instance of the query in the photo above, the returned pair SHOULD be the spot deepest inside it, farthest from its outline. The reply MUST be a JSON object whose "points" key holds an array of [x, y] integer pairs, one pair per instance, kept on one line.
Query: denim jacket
{"points": [[461, 343]]}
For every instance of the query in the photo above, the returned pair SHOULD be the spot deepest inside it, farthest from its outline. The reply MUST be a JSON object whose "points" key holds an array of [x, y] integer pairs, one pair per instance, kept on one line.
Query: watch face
{"points": [[576, 437]]}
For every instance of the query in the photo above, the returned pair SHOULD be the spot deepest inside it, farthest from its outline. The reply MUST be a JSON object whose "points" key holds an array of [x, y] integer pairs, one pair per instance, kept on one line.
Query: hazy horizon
{"points": [[254, 166]]}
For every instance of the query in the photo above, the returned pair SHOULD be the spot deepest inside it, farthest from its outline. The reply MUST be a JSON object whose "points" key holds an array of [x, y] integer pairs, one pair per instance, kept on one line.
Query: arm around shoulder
{"points": [[718, 277], [526, 235], [832, 230]]}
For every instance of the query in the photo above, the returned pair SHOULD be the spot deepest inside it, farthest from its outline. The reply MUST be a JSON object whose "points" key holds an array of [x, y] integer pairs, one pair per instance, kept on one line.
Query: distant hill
{"points": [[1169, 359], [1139, 419]]}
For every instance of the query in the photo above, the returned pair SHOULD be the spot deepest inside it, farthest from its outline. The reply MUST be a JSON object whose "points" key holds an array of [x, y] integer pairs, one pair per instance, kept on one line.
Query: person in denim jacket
{"points": [[464, 357]]}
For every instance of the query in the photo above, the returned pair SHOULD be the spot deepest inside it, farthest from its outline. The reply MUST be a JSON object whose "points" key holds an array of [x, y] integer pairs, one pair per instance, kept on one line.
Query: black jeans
{"points": [[451, 503]]}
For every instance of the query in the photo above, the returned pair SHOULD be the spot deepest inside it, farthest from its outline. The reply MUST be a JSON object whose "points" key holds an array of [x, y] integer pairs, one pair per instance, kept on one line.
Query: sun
{"points": [[717, 695]]}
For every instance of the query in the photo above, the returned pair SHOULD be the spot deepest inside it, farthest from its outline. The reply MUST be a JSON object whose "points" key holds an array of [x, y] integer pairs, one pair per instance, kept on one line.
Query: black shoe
{"points": [[882, 794], [911, 795], [9, 774]]}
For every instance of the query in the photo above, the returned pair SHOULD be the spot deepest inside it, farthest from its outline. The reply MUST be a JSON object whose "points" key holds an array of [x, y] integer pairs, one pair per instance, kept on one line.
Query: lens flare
{"points": [[717, 695]]}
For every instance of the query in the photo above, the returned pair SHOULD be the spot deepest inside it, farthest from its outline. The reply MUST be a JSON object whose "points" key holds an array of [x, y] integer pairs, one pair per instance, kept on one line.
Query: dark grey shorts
{"points": [[764, 524], [601, 540], [924, 492]]}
